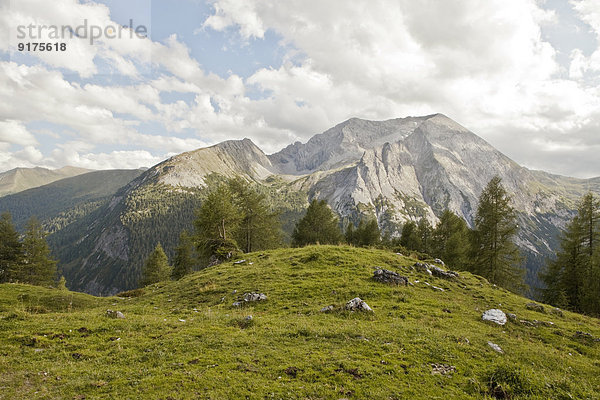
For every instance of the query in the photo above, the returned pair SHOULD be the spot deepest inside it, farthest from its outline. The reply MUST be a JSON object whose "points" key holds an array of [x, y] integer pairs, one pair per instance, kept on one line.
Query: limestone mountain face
{"points": [[396, 170], [417, 167], [229, 158]]}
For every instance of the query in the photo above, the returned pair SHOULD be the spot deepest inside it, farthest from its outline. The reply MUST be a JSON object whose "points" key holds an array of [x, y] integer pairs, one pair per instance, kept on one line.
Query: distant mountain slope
{"points": [[19, 179], [60, 203], [396, 171]]}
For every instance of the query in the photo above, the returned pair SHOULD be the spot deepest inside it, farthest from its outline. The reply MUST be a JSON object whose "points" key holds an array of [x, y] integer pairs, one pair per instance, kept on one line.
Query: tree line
{"points": [[572, 278], [236, 217], [25, 259]]}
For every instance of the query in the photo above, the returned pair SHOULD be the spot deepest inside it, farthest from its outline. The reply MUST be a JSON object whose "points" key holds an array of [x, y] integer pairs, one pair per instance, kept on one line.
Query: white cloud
{"points": [[589, 12], [484, 64], [112, 160], [14, 132]]}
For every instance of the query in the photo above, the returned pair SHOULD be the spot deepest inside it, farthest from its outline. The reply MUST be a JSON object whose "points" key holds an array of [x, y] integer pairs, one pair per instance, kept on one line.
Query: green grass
{"points": [[184, 339]]}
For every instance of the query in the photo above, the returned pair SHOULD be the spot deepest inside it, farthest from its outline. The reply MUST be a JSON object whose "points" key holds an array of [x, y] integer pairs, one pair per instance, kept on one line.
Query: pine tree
{"points": [[259, 227], [365, 235], [563, 276], [424, 232], [572, 279], [38, 267], [368, 233], [183, 263], [11, 249], [450, 240], [156, 269], [62, 283], [409, 238], [217, 220], [350, 235], [496, 256], [319, 225]]}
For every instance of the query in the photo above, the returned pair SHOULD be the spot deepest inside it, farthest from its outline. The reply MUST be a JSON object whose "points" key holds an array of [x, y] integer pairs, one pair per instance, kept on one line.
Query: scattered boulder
{"points": [[438, 261], [115, 314], [239, 262], [535, 307], [422, 267], [439, 289], [248, 318], [390, 277], [526, 323], [434, 270], [585, 335], [512, 317], [255, 296], [327, 309], [556, 311], [442, 369], [496, 347], [440, 273], [494, 315], [356, 304], [249, 297]]}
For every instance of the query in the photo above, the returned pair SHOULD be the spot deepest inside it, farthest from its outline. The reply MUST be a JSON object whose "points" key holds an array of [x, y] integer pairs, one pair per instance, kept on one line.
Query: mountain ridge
{"points": [[396, 170], [19, 179]]}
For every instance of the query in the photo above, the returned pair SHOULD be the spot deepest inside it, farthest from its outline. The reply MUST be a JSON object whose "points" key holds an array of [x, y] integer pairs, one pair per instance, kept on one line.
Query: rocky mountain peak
{"points": [[229, 158]]}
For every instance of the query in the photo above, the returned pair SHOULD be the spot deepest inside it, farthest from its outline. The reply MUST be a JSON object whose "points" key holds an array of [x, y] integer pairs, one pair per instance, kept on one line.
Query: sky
{"points": [[522, 74]]}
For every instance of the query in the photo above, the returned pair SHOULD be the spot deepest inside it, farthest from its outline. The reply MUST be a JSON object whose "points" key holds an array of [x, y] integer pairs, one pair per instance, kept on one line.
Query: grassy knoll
{"points": [[184, 339]]}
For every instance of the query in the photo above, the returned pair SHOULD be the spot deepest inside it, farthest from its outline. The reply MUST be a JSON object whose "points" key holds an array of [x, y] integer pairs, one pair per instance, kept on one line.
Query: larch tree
{"points": [[216, 223], [38, 267], [495, 254], [157, 268], [184, 260], [11, 249], [319, 225], [409, 238], [450, 240], [424, 232], [572, 279], [259, 227]]}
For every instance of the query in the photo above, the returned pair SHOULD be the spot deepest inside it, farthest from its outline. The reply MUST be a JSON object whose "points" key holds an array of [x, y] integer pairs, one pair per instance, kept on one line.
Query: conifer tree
{"points": [[216, 222], [259, 227], [156, 268], [572, 279], [424, 232], [11, 249], [38, 267], [450, 240], [183, 262], [319, 225], [62, 283], [350, 235], [496, 256], [366, 234], [409, 238]]}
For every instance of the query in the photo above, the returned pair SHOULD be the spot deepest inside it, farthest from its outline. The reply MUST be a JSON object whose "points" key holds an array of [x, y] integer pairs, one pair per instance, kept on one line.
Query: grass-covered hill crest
{"points": [[211, 335]]}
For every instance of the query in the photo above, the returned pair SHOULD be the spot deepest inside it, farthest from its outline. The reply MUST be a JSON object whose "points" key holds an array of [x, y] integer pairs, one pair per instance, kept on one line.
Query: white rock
{"points": [[356, 304], [496, 347], [254, 296], [495, 315]]}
